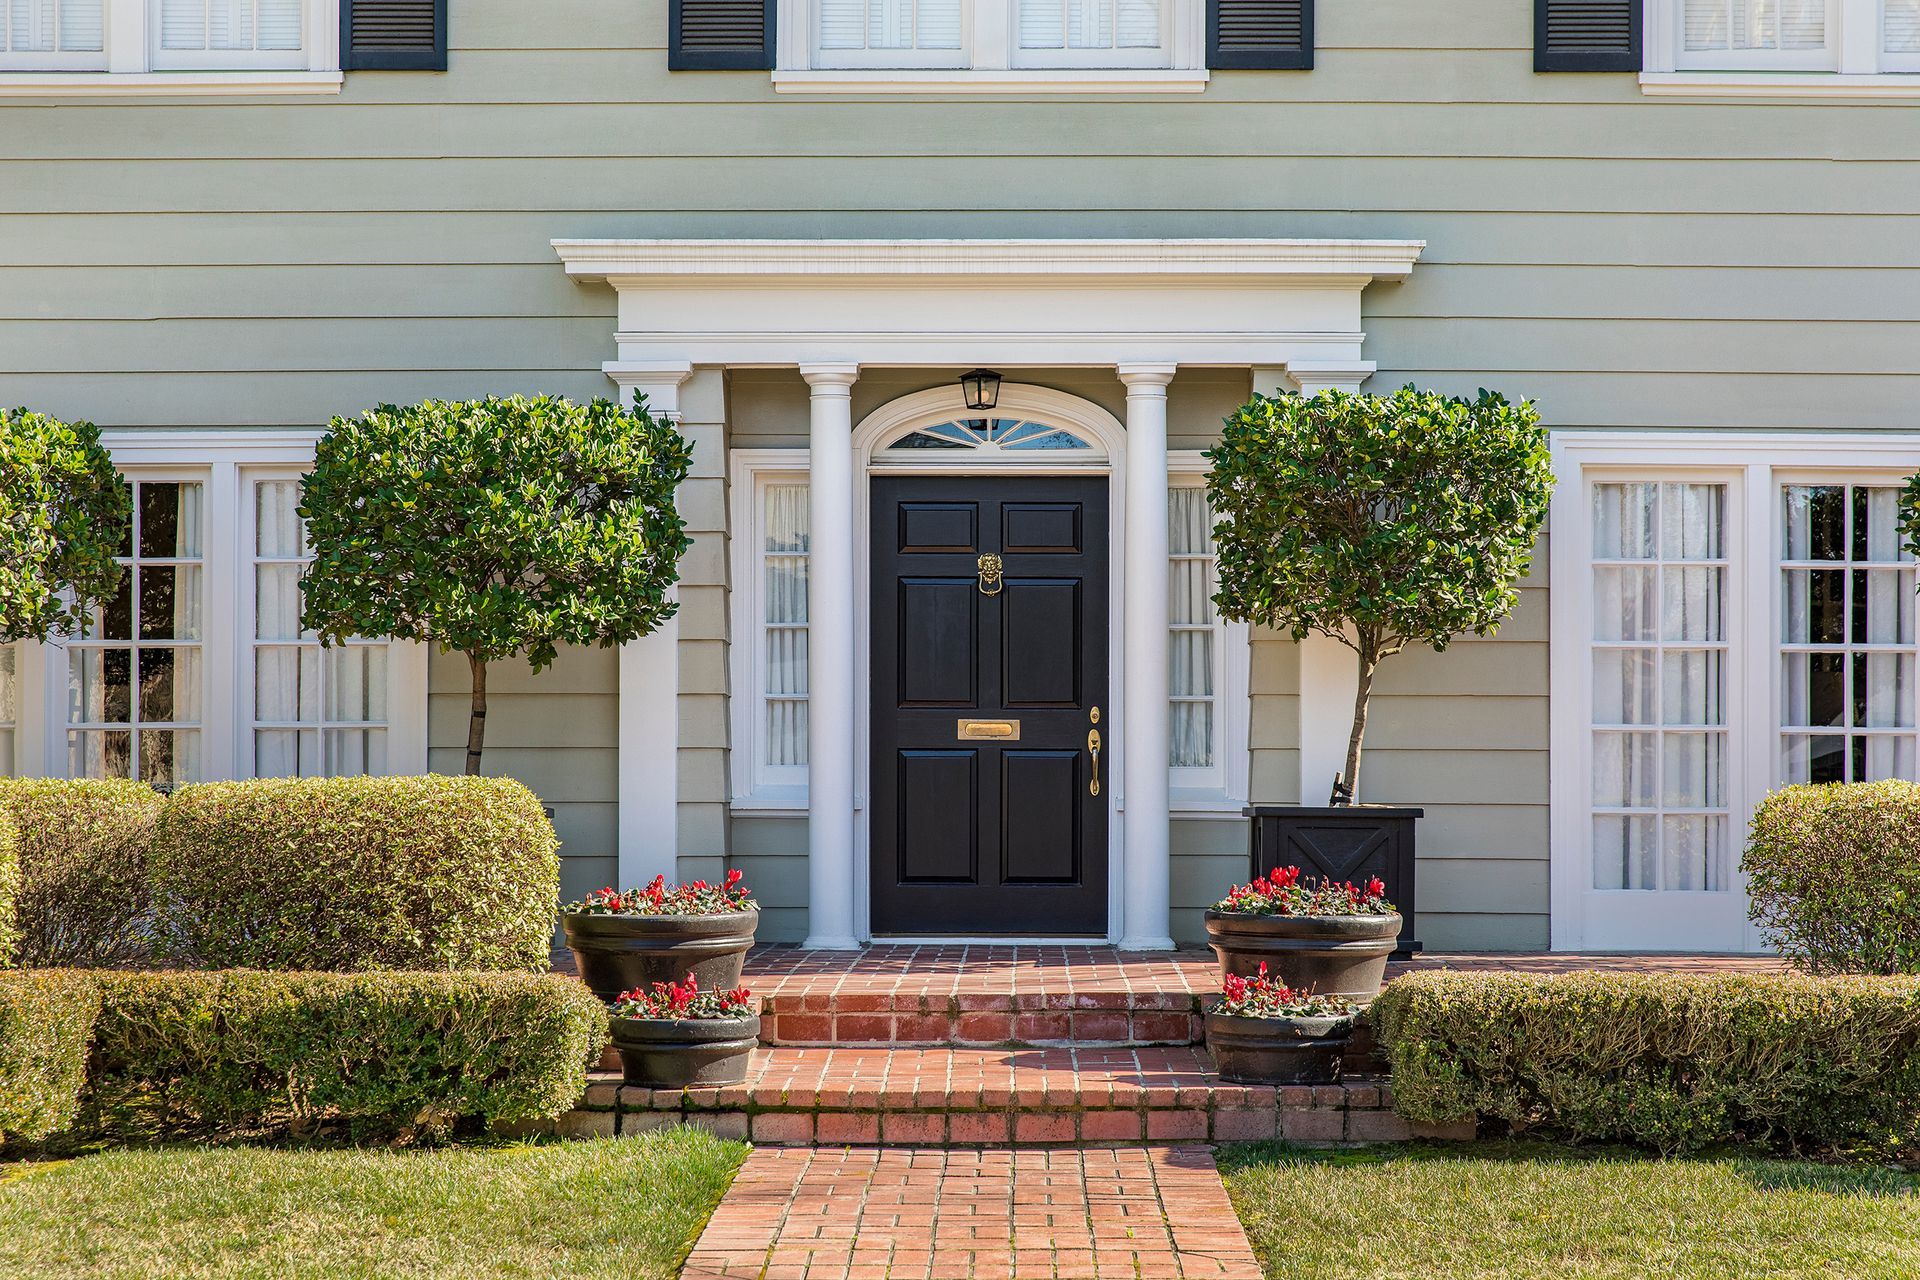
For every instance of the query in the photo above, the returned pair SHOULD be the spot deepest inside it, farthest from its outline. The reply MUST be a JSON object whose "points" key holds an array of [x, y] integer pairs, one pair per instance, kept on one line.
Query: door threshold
{"points": [[994, 940]]}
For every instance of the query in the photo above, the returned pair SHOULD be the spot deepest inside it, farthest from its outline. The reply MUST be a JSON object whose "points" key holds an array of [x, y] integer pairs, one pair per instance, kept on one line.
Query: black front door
{"points": [[989, 799]]}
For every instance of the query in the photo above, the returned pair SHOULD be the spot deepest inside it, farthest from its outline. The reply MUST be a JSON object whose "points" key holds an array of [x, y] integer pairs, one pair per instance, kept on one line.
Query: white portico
{"points": [[1288, 310]]}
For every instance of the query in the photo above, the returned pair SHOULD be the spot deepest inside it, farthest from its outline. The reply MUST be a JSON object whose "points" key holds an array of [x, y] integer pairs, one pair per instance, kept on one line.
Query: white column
{"points": [[1145, 922], [830, 643], [1329, 670], [649, 712]]}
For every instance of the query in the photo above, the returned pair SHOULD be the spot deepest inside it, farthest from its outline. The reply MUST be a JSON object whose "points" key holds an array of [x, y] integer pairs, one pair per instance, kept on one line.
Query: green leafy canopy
{"points": [[1407, 518], [496, 527], [64, 515]]}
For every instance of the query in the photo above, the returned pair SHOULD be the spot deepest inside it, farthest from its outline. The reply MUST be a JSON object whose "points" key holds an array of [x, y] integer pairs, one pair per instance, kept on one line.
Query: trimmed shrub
{"points": [[85, 900], [356, 873], [372, 1054], [1674, 1062], [9, 888], [1834, 875], [45, 1022]]}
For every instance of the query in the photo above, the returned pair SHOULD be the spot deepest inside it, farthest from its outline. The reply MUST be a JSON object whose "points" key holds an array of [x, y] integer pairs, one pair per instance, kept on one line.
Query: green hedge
{"points": [[371, 1055], [9, 888], [1834, 875], [45, 1021], [85, 899], [356, 873], [1674, 1062]]}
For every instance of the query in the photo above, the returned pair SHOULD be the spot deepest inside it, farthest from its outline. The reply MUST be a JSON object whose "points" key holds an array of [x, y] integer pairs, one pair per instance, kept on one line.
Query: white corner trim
{"points": [[956, 80], [1779, 84], [167, 84], [968, 260]]}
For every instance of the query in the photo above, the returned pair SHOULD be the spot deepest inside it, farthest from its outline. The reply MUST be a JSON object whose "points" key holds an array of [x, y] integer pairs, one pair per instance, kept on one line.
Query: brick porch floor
{"points": [[1158, 1213]]}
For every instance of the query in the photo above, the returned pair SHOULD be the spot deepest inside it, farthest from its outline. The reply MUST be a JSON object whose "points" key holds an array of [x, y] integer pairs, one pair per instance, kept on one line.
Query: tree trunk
{"points": [[477, 718], [1367, 664]]}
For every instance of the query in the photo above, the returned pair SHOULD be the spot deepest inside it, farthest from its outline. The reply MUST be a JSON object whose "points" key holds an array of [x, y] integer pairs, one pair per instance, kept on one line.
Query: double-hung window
{"points": [[53, 35], [1785, 38], [284, 45]]}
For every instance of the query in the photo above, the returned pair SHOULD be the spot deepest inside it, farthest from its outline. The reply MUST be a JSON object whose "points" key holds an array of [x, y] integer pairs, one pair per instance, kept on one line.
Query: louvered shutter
{"points": [[1586, 35], [393, 35], [720, 35], [1261, 35]]}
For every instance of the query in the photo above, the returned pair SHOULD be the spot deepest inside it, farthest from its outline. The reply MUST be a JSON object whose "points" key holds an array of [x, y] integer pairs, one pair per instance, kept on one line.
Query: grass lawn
{"points": [[1532, 1211], [625, 1207]]}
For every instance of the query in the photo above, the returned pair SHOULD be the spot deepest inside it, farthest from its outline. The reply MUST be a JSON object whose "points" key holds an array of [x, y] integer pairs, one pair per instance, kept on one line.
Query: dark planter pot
{"points": [[1277, 1050], [682, 1053], [613, 954], [1329, 955], [1350, 842]]}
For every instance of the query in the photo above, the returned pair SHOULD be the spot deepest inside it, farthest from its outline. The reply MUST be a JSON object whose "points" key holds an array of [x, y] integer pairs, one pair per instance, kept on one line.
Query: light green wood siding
{"points": [[1627, 261]]}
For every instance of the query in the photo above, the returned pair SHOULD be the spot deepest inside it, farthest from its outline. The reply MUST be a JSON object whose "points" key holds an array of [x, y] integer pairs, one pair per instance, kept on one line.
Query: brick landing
{"points": [[857, 1213]]}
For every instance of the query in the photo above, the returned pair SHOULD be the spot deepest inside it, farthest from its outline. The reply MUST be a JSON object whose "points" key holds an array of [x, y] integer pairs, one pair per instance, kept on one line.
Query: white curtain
{"points": [[1193, 626], [784, 549]]}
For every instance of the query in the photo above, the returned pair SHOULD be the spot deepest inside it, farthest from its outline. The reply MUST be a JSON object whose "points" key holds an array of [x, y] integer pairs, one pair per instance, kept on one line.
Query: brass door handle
{"points": [[1093, 745]]}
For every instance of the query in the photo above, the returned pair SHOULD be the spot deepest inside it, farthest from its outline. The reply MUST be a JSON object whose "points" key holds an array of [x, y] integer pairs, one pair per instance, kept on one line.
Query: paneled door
{"points": [[990, 729]]}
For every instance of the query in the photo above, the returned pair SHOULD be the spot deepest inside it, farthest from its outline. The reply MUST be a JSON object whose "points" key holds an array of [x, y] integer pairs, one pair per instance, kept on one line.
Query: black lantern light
{"points": [[981, 387]]}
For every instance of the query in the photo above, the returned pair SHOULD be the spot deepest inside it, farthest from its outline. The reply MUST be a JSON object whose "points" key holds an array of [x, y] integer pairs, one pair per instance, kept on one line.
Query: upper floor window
{"points": [[169, 36], [1852, 36], [1007, 37]]}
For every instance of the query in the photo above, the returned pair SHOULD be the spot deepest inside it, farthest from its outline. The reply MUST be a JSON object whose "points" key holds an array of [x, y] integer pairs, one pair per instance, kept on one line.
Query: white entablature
{"points": [[1254, 302]]}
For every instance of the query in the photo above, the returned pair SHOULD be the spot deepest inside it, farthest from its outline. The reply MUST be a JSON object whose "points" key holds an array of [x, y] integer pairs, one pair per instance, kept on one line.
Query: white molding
{"points": [[611, 259], [1753, 465], [931, 80], [1781, 84], [168, 84]]}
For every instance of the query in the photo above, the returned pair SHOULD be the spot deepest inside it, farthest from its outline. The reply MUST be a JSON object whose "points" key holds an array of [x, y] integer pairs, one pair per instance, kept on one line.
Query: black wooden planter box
{"points": [[1347, 843]]}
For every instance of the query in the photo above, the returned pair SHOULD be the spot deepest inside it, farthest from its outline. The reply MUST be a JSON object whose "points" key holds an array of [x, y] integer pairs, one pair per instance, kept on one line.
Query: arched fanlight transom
{"points": [[989, 435]]}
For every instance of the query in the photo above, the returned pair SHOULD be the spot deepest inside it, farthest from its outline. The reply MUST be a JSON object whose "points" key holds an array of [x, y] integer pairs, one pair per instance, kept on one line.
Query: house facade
{"points": [[952, 672]]}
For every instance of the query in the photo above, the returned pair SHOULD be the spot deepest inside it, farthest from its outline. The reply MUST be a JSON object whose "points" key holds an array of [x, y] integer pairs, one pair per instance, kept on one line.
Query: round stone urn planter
{"points": [[1278, 1050], [617, 953], [682, 1053], [1327, 955]]}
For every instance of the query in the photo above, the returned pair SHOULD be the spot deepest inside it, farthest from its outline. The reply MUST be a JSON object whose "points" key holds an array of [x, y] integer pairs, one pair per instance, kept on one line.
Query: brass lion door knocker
{"points": [[990, 583]]}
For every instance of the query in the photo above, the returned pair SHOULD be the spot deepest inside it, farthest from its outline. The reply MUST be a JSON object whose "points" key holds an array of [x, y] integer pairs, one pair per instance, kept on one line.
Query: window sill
{"points": [[971, 82], [165, 84], [1780, 84]]}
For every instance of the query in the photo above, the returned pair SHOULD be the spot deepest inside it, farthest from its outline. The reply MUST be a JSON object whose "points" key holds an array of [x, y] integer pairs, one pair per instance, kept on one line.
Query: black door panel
{"points": [[981, 830]]}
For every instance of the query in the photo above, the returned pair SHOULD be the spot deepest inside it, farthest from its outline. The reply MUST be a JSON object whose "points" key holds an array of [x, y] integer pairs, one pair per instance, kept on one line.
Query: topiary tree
{"points": [[1381, 521], [64, 515], [494, 528]]}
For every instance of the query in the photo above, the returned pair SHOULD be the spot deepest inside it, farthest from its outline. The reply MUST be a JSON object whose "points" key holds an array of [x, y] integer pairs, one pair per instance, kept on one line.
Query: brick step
{"points": [[997, 1098], [1117, 1018]]}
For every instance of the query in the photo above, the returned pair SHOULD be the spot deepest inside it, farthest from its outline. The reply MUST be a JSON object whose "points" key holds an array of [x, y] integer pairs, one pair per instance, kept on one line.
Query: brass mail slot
{"points": [[998, 730]]}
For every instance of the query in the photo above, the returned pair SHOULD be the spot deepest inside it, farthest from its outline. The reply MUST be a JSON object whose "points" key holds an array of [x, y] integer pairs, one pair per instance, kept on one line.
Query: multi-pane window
{"points": [[1193, 654], [1847, 650], [1085, 25], [1784, 35], [315, 711], [230, 26], [1660, 806], [993, 35], [134, 696], [9, 705], [1771, 25], [783, 663], [52, 33], [898, 27]]}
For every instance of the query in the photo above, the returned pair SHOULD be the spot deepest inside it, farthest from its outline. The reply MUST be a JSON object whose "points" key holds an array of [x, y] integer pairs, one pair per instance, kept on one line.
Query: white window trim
{"points": [[1223, 787], [990, 59], [1852, 65], [755, 787], [1754, 465], [131, 63], [225, 462]]}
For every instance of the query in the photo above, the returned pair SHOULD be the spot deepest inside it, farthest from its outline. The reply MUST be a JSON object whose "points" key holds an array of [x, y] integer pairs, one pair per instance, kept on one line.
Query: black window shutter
{"points": [[1260, 35], [720, 35], [393, 35], [1586, 35]]}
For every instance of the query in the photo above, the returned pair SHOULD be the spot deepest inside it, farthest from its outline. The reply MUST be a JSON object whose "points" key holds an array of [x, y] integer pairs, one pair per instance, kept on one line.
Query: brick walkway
{"points": [[1158, 1213]]}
